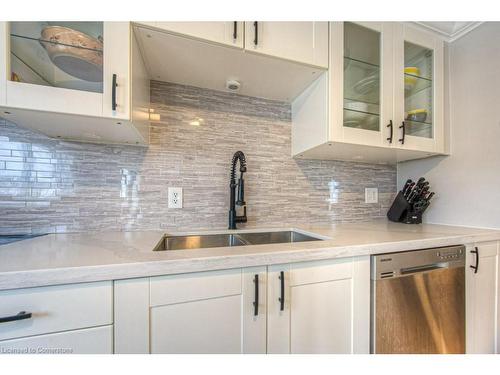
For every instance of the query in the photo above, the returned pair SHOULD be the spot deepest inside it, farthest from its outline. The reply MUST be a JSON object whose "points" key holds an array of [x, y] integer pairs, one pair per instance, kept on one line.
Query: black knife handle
{"points": [[476, 267], [235, 30], [19, 316], [402, 139], [391, 133], [282, 294], [256, 35], [113, 93], [256, 300]]}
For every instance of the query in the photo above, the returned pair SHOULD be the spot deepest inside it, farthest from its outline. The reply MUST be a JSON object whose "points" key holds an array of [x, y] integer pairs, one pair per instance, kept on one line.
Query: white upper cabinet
{"points": [[228, 33], [62, 69], [361, 82], [418, 89], [305, 42], [381, 100]]}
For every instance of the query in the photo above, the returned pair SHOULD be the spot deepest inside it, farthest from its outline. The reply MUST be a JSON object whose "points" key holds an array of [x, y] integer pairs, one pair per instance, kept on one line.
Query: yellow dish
{"points": [[410, 82], [413, 70]]}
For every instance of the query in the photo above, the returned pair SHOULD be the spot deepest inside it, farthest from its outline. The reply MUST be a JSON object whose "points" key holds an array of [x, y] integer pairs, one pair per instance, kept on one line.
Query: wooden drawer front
{"points": [[98, 340], [56, 308], [319, 271], [207, 326], [166, 290]]}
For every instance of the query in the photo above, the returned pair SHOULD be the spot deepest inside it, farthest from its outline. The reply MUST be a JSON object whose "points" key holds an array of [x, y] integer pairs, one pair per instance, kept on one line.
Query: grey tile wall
{"points": [[49, 185]]}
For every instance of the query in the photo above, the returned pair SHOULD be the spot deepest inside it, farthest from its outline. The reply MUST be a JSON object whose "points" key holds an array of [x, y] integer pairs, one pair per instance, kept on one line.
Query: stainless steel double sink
{"points": [[229, 239]]}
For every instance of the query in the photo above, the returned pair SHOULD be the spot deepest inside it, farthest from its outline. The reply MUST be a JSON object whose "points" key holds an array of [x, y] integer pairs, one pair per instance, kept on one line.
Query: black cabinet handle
{"points": [[235, 30], [256, 35], [256, 300], [476, 267], [19, 316], [113, 93], [390, 126], [282, 295], [402, 140]]}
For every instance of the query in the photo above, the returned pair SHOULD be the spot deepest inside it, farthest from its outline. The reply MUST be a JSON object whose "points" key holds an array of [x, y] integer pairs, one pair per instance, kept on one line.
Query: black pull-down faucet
{"points": [[233, 217]]}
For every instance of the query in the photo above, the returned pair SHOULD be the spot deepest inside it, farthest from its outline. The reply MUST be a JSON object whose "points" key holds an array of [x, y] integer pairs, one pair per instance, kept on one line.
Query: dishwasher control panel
{"points": [[393, 265], [450, 254]]}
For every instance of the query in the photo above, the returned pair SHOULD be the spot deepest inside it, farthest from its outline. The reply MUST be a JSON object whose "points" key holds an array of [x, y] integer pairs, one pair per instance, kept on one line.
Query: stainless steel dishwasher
{"points": [[418, 301]]}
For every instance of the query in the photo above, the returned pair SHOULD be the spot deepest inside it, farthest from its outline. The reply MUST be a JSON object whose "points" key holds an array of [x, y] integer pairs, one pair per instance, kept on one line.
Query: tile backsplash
{"points": [[49, 185]]}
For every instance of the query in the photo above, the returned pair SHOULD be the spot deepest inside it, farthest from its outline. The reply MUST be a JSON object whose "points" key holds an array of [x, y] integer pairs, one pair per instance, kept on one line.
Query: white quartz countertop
{"points": [[83, 257]]}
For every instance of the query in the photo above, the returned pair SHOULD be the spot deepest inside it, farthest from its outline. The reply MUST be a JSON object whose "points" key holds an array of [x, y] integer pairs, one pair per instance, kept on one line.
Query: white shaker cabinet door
{"points": [[319, 307], [418, 90], [482, 298], [228, 33], [303, 42], [218, 312]]}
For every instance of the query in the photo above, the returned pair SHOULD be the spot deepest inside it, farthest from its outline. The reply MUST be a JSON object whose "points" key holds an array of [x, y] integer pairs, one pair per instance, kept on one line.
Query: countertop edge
{"points": [[107, 272]]}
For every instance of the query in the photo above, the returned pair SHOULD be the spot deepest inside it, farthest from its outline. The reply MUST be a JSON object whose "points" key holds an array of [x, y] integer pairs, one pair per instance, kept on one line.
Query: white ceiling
{"points": [[450, 30]]}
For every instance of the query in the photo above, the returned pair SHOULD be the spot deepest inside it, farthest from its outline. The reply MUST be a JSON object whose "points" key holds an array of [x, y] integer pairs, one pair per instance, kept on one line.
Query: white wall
{"points": [[467, 183]]}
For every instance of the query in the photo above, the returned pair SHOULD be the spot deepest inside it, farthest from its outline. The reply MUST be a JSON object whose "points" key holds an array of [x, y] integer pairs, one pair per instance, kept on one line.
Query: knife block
{"points": [[403, 212], [399, 209]]}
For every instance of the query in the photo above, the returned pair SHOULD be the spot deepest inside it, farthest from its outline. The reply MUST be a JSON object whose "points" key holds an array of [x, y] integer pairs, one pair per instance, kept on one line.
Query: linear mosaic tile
{"points": [[49, 185]]}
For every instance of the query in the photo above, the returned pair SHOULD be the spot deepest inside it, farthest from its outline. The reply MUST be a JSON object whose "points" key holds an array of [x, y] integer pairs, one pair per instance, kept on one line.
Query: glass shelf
{"points": [[360, 119], [414, 84], [58, 54], [361, 81], [419, 128]]}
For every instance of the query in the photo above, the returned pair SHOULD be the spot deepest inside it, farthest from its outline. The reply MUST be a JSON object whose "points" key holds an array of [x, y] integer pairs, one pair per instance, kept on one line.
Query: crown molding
{"points": [[447, 36]]}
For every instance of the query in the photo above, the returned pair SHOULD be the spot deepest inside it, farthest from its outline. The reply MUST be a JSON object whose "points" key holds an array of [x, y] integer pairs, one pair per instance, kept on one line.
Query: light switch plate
{"points": [[371, 195], [174, 197]]}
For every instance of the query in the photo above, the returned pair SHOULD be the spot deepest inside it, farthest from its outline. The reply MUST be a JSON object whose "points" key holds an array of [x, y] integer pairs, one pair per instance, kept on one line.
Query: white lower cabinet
{"points": [[326, 309], [319, 307], [204, 312], [74, 318], [482, 295], [97, 340]]}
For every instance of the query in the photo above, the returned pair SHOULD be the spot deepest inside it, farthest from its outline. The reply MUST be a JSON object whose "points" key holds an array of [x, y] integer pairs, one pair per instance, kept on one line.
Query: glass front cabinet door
{"points": [[361, 82], [418, 100], [68, 67]]}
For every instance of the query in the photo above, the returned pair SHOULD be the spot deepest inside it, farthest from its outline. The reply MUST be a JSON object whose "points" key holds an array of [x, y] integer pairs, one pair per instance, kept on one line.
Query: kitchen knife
{"points": [[408, 182], [408, 190]]}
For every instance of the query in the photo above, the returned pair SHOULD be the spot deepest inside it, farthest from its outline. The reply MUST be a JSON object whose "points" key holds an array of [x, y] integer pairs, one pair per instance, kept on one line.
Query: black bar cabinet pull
{"points": [[402, 140], [256, 300], [19, 316], [282, 298], [476, 267], [390, 126], [113, 94], [256, 37], [235, 30]]}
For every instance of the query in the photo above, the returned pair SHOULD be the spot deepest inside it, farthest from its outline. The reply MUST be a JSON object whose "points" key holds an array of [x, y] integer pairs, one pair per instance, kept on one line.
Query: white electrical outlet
{"points": [[174, 197], [371, 195]]}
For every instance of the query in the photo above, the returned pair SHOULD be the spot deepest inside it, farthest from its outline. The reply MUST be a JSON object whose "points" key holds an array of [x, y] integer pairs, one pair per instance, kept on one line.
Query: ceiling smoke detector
{"points": [[233, 85]]}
